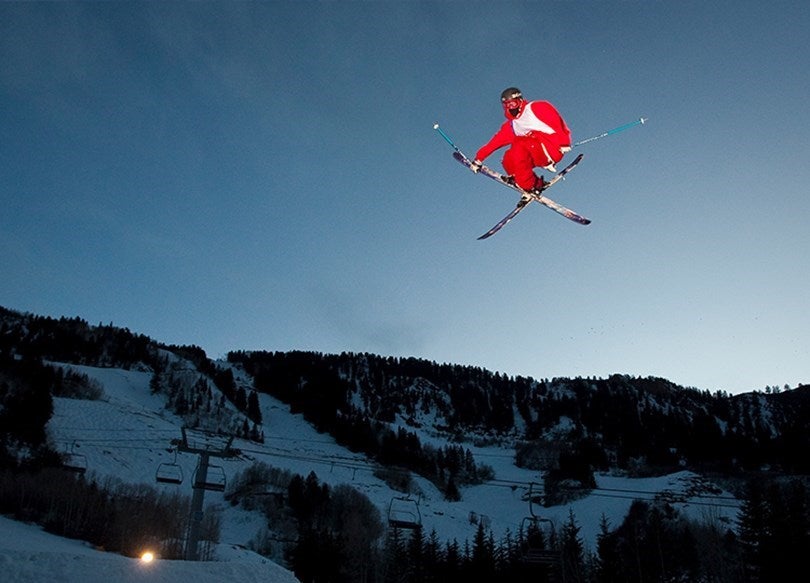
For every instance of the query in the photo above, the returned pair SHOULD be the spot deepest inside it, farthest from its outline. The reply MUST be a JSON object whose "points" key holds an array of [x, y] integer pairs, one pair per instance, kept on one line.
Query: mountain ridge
{"points": [[391, 429]]}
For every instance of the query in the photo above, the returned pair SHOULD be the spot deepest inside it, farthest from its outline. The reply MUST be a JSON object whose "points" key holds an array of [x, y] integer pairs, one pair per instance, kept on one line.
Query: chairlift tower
{"points": [[206, 447]]}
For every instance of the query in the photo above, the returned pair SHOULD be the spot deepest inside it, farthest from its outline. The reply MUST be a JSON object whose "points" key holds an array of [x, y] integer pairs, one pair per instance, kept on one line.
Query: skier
{"points": [[537, 136]]}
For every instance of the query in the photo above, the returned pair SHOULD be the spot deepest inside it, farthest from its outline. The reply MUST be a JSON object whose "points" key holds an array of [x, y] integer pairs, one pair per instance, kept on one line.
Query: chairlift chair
{"points": [[538, 542], [404, 513], [169, 473], [75, 462], [214, 480]]}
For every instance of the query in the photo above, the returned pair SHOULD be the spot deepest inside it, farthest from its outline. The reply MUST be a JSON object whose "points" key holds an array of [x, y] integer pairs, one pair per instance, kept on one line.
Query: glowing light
{"points": [[147, 557]]}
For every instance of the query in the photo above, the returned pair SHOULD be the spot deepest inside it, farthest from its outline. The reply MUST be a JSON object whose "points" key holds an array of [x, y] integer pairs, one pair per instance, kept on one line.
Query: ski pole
{"points": [[445, 136], [626, 126]]}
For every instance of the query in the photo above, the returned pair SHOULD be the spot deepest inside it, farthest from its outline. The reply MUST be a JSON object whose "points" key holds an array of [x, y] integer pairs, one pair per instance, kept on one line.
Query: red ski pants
{"points": [[524, 155]]}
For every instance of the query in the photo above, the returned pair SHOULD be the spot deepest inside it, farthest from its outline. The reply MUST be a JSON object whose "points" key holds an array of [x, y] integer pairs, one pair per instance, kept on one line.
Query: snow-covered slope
{"points": [[29, 555], [127, 435]]}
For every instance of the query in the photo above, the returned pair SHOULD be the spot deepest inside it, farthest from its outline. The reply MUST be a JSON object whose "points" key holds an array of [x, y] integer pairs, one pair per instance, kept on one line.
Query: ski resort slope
{"points": [[127, 434], [29, 555]]}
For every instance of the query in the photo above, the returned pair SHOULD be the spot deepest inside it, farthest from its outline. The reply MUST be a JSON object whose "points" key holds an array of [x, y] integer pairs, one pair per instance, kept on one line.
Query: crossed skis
{"points": [[527, 197]]}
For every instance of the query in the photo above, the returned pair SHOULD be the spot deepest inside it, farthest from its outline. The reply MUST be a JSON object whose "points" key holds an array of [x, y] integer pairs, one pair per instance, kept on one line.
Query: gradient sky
{"points": [[264, 175]]}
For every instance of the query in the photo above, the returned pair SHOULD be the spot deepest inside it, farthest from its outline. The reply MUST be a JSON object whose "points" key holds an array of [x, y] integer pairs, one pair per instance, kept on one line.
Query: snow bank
{"points": [[29, 555]]}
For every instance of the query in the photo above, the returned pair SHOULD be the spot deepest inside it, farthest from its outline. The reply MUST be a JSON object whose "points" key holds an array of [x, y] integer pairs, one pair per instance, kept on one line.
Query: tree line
{"points": [[337, 535]]}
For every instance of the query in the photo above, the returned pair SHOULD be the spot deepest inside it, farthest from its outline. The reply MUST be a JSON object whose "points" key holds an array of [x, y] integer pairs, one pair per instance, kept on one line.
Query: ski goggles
{"points": [[513, 103]]}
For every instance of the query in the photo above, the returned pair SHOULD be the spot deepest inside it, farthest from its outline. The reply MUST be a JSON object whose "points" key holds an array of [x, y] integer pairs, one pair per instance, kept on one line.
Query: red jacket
{"points": [[538, 120]]}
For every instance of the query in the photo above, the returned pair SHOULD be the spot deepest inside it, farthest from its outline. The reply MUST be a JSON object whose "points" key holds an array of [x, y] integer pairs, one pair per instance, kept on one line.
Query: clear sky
{"points": [[264, 175]]}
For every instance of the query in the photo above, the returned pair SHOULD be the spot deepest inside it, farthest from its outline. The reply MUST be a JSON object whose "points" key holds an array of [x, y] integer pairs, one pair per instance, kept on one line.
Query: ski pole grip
{"points": [[445, 136]]}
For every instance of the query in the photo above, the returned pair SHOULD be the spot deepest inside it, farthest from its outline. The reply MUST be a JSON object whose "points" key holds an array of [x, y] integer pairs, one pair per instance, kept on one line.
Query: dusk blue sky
{"points": [[265, 176]]}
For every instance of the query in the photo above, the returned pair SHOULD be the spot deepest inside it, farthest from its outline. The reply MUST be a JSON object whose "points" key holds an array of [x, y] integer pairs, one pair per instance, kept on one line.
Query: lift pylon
{"points": [[206, 446]]}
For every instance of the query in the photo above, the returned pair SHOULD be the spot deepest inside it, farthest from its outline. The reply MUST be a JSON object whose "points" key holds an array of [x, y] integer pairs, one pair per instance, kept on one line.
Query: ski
{"points": [[526, 197]]}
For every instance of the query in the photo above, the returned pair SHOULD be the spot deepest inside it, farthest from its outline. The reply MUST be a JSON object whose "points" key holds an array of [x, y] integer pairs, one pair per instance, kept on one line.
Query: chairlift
{"points": [[539, 533], [169, 472], [74, 462], [214, 480], [539, 542], [404, 513], [534, 498]]}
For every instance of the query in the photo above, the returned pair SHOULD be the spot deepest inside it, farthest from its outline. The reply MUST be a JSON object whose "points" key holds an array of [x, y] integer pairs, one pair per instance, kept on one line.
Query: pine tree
{"points": [[451, 492], [482, 559], [254, 411], [798, 521], [452, 561], [415, 549], [394, 557], [433, 559], [573, 552], [608, 564], [507, 557], [786, 528], [240, 399], [752, 524], [156, 383]]}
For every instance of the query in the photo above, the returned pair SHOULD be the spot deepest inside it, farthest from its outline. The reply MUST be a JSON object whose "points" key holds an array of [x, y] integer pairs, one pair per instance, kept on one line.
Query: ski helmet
{"points": [[512, 101], [511, 93]]}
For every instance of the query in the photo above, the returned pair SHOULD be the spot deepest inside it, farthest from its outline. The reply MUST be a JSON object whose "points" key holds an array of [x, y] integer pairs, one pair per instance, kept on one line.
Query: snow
{"points": [[29, 555], [127, 434]]}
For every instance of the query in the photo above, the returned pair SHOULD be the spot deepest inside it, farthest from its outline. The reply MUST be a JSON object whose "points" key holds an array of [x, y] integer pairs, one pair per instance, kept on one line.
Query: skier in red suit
{"points": [[537, 136]]}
